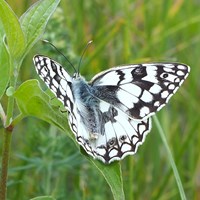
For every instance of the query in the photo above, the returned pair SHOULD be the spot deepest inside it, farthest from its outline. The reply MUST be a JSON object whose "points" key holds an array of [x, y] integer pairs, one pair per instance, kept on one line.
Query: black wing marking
{"points": [[140, 90]]}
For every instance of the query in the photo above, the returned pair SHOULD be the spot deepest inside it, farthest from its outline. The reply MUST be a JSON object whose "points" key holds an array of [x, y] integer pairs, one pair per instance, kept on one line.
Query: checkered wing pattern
{"points": [[140, 90], [59, 82], [110, 115]]}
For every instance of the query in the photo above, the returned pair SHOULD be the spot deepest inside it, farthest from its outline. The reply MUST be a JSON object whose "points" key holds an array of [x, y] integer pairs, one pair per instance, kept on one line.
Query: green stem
{"points": [[7, 140], [10, 103], [5, 159], [173, 165], [6, 150]]}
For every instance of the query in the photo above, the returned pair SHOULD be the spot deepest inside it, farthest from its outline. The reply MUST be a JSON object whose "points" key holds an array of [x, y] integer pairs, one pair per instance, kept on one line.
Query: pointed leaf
{"points": [[14, 34], [34, 20]]}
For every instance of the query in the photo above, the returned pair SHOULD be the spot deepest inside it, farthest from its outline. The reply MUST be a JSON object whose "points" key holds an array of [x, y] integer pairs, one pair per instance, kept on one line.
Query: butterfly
{"points": [[110, 116]]}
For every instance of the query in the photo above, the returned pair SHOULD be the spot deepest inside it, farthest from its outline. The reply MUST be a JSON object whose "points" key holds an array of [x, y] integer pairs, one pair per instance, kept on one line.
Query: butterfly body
{"points": [[87, 106], [110, 116]]}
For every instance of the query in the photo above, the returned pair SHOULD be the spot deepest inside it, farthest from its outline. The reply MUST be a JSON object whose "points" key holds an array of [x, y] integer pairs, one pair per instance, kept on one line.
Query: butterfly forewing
{"points": [[140, 90], [56, 78], [110, 116]]}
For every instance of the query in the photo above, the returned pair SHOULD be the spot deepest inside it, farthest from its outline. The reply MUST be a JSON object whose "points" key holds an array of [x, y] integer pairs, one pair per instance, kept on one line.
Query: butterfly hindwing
{"points": [[121, 135], [140, 90]]}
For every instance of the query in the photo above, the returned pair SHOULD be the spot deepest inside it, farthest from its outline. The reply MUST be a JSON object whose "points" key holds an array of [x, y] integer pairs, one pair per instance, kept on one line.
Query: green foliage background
{"points": [[45, 161]]}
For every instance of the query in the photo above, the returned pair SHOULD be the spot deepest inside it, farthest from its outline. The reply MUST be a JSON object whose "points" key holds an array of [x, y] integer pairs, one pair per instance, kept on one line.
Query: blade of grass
{"points": [[172, 162]]}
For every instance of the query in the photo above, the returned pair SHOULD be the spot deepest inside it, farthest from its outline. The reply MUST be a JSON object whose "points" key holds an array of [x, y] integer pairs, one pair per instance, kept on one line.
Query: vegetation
{"points": [[45, 162]]}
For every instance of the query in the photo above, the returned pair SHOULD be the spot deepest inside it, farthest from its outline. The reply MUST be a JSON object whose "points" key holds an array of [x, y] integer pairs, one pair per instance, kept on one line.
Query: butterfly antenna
{"points": [[46, 41], [83, 55]]}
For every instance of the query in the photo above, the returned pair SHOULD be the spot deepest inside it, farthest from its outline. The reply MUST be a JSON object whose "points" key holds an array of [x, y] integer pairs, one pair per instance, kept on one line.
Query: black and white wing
{"points": [[130, 95], [140, 90], [121, 136], [125, 98], [59, 82]]}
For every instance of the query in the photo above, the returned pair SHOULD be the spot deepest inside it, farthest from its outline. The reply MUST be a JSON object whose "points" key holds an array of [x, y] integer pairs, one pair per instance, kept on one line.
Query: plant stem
{"points": [[6, 149], [7, 140], [5, 159]]}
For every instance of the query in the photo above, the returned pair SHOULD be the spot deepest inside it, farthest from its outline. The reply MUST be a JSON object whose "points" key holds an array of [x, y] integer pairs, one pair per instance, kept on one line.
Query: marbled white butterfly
{"points": [[110, 115]]}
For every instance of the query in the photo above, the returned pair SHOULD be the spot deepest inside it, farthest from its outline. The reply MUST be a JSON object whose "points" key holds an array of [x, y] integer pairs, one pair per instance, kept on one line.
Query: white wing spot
{"points": [[36, 59], [155, 89], [152, 79], [113, 153], [126, 97], [157, 103], [127, 76], [131, 88], [106, 80], [55, 83], [164, 94], [101, 151], [180, 73], [171, 86], [182, 67], [146, 96], [68, 104], [167, 69], [62, 98], [125, 147], [177, 80], [134, 140], [169, 65], [142, 128], [43, 72], [144, 111], [54, 88]]}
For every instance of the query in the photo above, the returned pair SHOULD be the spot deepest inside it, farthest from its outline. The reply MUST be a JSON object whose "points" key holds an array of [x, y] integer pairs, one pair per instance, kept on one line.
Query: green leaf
{"points": [[34, 20], [113, 175], [14, 34], [4, 64], [32, 101], [43, 198]]}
